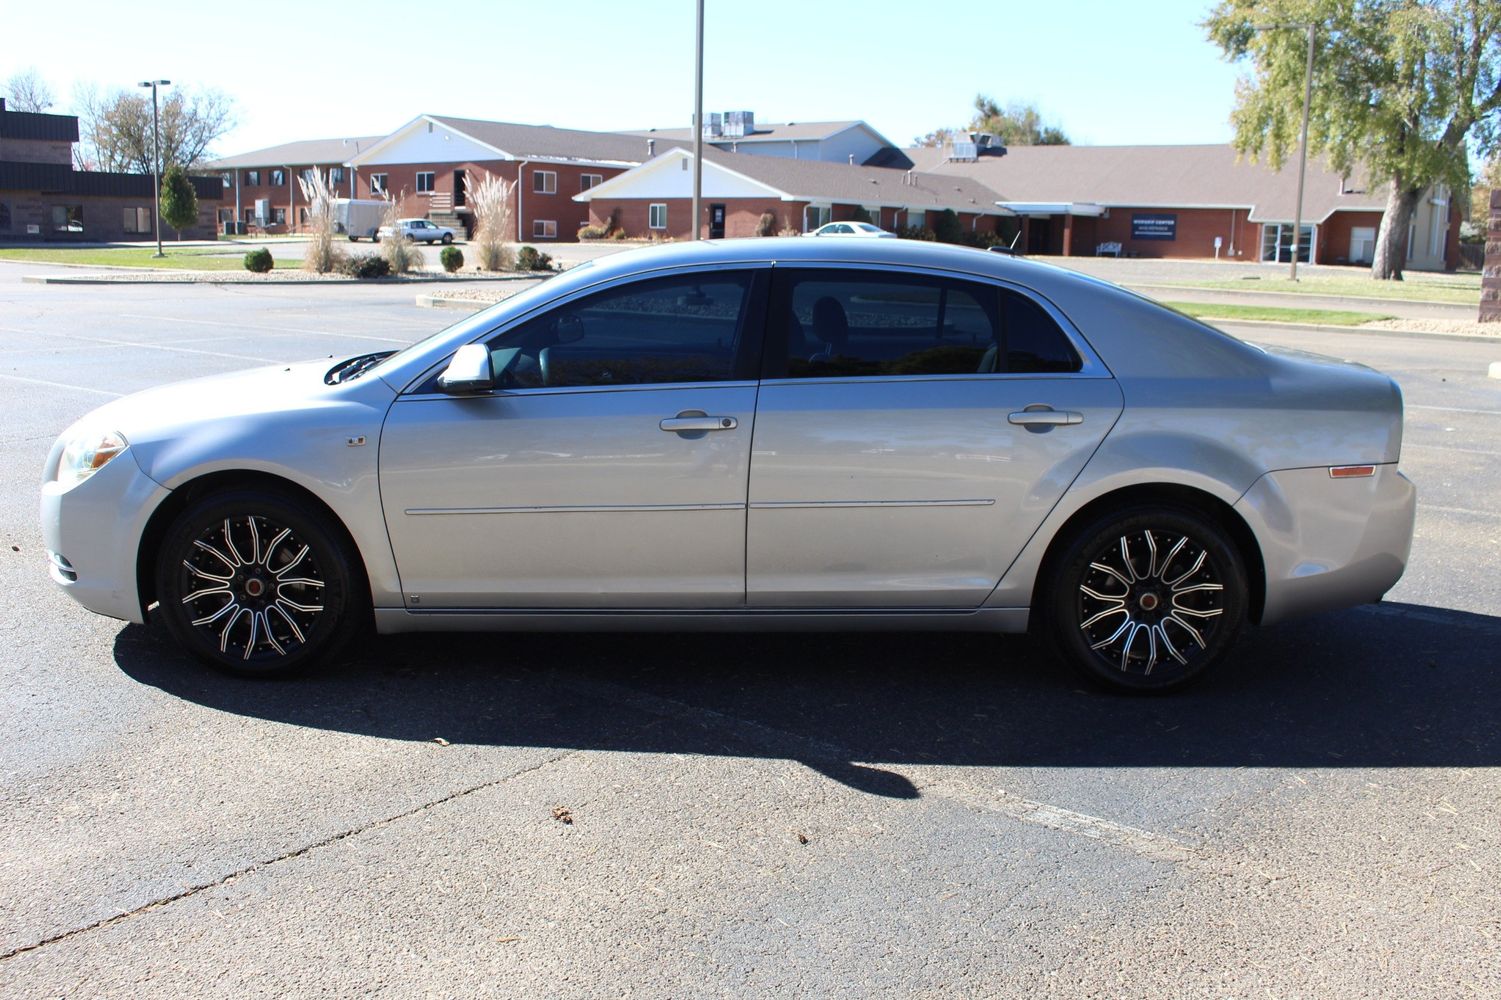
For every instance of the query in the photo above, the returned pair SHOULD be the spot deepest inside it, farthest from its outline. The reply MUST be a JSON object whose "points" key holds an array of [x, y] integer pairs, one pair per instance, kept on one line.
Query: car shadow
{"points": [[1388, 686]]}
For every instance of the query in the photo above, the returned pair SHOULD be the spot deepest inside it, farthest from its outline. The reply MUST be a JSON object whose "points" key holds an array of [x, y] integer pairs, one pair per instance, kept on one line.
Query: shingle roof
{"points": [[859, 185], [546, 142], [764, 132], [288, 154], [1147, 176]]}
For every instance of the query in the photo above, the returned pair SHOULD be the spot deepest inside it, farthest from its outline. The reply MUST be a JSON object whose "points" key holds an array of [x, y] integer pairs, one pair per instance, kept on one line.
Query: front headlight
{"points": [[87, 454]]}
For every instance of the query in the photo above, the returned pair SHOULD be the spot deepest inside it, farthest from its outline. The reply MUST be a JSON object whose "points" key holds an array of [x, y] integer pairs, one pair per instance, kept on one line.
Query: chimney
{"points": [[852, 159], [651, 147]]}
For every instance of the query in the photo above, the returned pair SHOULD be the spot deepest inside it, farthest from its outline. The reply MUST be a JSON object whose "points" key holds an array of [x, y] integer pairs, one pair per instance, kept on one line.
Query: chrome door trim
{"points": [[842, 504], [392, 620], [563, 390], [574, 509]]}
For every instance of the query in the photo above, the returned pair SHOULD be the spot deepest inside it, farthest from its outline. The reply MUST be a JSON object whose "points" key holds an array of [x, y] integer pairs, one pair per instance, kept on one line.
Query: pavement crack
{"points": [[291, 855]]}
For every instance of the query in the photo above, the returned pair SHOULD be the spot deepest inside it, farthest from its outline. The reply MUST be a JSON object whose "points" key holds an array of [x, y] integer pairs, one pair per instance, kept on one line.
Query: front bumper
{"points": [[92, 531], [1329, 543]]}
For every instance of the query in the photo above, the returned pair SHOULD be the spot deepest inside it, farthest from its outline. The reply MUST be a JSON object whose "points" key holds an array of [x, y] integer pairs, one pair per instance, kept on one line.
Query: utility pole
{"points": [[1303, 157], [156, 163], [698, 122]]}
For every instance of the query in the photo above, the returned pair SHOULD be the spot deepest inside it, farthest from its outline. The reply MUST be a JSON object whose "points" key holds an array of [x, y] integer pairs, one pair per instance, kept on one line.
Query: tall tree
{"points": [[179, 200], [115, 126], [1480, 191], [1016, 124], [1398, 87], [26, 91]]}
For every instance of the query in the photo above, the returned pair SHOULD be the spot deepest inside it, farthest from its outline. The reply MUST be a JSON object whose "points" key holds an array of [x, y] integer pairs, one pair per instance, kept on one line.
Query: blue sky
{"points": [[1107, 71]]}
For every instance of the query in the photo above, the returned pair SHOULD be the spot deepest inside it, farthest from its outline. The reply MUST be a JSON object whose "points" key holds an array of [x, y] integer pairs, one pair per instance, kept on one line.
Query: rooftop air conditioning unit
{"points": [[713, 125], [963, 150], [739, 124]]}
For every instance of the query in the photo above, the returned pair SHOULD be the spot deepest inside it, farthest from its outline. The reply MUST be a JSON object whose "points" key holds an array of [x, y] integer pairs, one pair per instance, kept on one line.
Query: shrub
{"points": [[767, 224], [402, 254], [916, 233], [618, 234], [490, 200], [593, 233], [366, 265], [860, 215], [532, 259], [452, 258], [946, 227], [259, 261], [323, 253]]}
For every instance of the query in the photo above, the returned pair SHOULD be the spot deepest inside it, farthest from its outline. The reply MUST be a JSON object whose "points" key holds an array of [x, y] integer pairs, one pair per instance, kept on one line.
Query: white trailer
{"points": [[357, 217]]}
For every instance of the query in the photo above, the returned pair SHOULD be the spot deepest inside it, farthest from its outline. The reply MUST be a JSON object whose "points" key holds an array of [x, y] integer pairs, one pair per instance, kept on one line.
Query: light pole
{"points": [[698, 121], [156, 162], [1303, 139]]}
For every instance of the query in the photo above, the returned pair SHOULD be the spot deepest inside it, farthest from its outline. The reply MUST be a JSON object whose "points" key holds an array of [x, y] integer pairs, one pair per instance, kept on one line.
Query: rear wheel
{"points": [[256, 583], [1146, 599], [447, 238]]}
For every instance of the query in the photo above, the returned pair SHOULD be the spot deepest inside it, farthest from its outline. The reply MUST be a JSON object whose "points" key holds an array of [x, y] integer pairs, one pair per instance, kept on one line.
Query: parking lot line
{"points": [[1453, 409], [269, 329], [60, 385]]}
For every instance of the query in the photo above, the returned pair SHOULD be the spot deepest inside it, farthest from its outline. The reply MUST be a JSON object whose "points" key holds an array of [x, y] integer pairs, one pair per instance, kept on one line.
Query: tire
{"points": [[354, 239], [428, 242], [1145, 599], [375, 239], [447, 238], [226, 593]]}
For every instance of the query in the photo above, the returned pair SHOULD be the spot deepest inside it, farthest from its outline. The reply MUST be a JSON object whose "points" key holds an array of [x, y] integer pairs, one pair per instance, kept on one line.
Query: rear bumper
{"points": [[92, 531], [1329, 543]]}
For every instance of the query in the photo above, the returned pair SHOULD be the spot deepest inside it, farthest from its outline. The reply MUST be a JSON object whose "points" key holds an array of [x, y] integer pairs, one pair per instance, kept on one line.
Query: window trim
{"points": [[747, 362], [548, 179], [252, 178], [1090, 363], [651, 209], [544, 223], [585, 183], [378, 183], [432, 181], [278, 178]]}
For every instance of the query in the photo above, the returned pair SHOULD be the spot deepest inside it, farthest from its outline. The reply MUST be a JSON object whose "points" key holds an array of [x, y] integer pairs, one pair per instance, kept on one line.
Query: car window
{"points": [[678, 329], [832, 324]]}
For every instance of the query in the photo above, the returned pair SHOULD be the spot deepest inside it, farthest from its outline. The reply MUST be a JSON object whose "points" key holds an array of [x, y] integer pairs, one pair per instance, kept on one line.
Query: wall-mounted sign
{"points": [[1154, 226]]}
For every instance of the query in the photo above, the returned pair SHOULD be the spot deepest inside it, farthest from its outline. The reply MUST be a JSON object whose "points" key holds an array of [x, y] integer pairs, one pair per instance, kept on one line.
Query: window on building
{"points": [[544, 229], [869, 324], [679, 329], [425, 180], [544, 182], [302, 216], [279, 216], [587, 181], [377, 183], [5, 222], [815, 216], [67, 218], [252, 178], [917, 219], [137, 220], [278, 178], [309, 173], [1362, 244], [249, 216], [1277, 242], [656, 216], [335, 175]]}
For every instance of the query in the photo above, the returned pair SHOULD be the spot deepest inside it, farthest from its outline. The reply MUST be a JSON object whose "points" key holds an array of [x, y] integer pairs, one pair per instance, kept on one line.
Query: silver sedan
{"points": [[784, 434]]}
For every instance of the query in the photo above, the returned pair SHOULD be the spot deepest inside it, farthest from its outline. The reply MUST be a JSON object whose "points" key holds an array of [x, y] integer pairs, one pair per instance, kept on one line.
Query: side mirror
{"points": [[469, 371]]}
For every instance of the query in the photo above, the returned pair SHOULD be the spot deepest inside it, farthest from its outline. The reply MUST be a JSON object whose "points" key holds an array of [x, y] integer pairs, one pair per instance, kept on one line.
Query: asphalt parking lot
{"points": [[791, 815]]}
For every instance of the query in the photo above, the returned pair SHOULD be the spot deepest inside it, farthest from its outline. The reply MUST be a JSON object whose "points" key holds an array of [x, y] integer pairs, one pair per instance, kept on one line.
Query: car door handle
{"points": [[680, 425], [1045, 416]]}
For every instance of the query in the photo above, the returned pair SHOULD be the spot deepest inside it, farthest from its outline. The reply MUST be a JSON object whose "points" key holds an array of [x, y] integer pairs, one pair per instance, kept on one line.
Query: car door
{"points": [[606, 470], [912, 431]]}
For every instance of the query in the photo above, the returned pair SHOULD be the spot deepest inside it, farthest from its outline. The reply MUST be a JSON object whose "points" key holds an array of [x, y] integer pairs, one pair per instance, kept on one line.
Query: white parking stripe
{"points": [[1454, 409], [270, 329], [60, 385]]}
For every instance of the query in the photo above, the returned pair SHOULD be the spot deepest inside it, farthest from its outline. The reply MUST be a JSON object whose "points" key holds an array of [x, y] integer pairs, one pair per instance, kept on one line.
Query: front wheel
{"points": [[256, 583], [1146, 599], [447, 238]]}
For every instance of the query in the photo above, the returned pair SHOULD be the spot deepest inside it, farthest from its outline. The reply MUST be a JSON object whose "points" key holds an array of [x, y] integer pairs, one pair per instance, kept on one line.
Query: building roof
{"points": [[764, 132], [1157, 176], [818, 181], [288, 154], [61, 178], [36, 126]]}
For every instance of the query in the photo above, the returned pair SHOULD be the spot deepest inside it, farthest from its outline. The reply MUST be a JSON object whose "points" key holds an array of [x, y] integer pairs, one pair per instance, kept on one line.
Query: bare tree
{"points": [[27, 91], [115, 127]]}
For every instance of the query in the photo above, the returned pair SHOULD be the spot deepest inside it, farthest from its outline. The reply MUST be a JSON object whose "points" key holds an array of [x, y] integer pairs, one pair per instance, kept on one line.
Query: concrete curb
{"points": [[231, 278], [1362, 331]]}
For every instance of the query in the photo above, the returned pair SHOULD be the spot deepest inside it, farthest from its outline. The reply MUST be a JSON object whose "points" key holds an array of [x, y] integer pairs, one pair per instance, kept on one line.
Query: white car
{"points": [[862, 229], [417, 229]]}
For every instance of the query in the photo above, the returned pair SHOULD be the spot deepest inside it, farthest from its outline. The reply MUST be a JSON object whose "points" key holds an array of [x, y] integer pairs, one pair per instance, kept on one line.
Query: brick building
{"points": [[43, 198], [849, 142], [1177, 201], [261, 189], [655, 199]]}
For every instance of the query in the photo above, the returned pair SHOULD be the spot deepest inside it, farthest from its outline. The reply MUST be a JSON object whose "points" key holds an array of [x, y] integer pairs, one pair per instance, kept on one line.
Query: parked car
{"points": [[859, 229], [944, 439], [417, 230]]}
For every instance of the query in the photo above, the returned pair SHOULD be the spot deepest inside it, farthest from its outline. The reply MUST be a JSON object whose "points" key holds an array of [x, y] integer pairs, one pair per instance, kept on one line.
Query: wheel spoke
{"points": [[1168, 643], [295, 560], [226, 560], [234, 550], [205, 575], [1128, 623], [232, 606], [195, 595], [291, 622], [1197, 636], [1112, 572], [1111, 598], [1152, 558], [1126, 558], [1197, 565], [1119, 609], [1177, 591]]}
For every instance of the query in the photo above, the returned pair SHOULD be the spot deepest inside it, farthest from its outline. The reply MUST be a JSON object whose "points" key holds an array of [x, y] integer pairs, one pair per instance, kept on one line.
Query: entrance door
{"points": [[1362, 244], [716, 222], [901, 459], [606, 470], [458, 188], [1040, 235]]}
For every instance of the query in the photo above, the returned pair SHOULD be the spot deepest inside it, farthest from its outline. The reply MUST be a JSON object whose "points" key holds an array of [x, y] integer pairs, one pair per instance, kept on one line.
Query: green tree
{"points": [[1480, 191], [1016, 124], [1398, 88], [179, 200]]}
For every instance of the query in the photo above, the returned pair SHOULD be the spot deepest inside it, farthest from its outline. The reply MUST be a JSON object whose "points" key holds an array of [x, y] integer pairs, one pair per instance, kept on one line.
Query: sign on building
{"points": [[1154, 226]]}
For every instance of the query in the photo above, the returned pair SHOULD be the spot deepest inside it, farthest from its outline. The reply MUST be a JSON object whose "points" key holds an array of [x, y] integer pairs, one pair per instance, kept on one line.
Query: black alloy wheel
{"points": [[1147, 599], [257, 584]]}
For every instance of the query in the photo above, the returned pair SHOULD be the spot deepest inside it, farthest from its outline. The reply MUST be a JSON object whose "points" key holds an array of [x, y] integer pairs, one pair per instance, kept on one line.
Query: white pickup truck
{"points": [[417, 229]]}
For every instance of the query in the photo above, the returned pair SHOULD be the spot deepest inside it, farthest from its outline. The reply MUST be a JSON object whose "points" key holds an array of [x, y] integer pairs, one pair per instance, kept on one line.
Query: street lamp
{"points": [[698, 120], [1303, 140], [156, 162]]}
